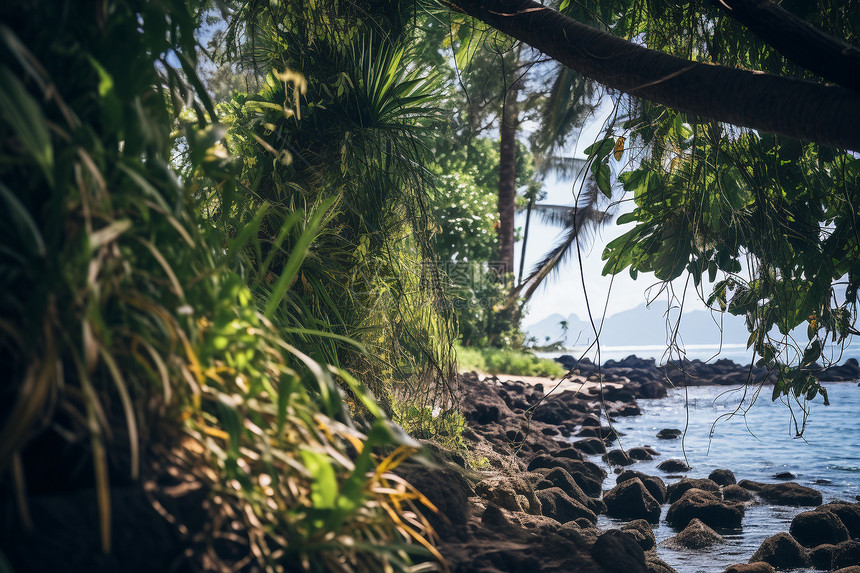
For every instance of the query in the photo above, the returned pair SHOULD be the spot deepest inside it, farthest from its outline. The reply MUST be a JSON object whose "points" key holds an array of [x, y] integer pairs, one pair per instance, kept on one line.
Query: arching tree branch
{"points": [[797, 40], [829, 115]]}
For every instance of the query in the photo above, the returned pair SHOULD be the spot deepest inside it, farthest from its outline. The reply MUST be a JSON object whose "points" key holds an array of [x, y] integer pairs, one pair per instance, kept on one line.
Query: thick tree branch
{"points": [[797, 40], [829, 115]]}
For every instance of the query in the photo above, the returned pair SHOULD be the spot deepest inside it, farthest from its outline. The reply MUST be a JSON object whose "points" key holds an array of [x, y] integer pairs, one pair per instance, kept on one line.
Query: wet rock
{"points": [[782, 551], [696, 535], [789, 493], [846, 554], [631, 499], [707, 507], [657, 565], [822, 556], [617, 552], [590, 446], [722, 477], [672, 466], [851, 569], [784, 475], [736, 493], [617, 458], [848, 513], [640, 530], [813, 528], [655, 485], [757, 567], [850, 370], [561, 507], [669, 434], [561, 478], [676, 490], [641, 454]]}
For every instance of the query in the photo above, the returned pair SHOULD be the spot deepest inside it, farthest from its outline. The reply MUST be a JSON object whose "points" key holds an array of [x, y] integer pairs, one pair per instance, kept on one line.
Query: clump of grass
{"points": [[507, 361], [124, 315]]}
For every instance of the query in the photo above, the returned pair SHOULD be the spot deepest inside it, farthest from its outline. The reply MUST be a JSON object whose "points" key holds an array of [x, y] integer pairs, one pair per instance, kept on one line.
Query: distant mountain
{"points": [[643, 326]]}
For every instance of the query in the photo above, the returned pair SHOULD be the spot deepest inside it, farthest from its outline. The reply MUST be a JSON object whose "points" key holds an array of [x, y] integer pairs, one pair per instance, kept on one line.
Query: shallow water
{"points": [[755, 445]]}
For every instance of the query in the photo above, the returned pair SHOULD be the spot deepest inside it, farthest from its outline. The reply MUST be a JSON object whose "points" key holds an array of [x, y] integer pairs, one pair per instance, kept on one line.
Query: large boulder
{"points": [[734, 492], [657, 565], [511, 493], [640, 530], [848, 513], [446, 489], [618, 458], [696, 535], [846, 554], [676, 490], [642, 454], [631, 500], [655, 485], [561, 507], [782, 551], [673, 466], [722, 477], [789, 493], [617, 552], [669, 434], [704, 505], [822, 556], [587, 475], [813, 528], [590, 446], [561, 478]]}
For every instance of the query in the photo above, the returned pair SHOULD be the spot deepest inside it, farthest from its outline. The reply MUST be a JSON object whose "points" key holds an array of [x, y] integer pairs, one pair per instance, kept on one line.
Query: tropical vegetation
{"points": [[260, 291]]}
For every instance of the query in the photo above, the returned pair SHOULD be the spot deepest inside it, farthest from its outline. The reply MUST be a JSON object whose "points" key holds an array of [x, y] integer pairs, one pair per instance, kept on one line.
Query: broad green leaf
{"points": [[324, 489]]}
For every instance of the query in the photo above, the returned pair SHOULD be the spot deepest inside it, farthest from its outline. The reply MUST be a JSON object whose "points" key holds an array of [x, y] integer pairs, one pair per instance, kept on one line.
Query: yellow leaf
{"points": [[619, 148]]}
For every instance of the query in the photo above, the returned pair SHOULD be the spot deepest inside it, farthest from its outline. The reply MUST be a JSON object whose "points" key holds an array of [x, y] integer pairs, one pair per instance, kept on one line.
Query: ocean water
{"points": [[723, 431], [735, 352]]}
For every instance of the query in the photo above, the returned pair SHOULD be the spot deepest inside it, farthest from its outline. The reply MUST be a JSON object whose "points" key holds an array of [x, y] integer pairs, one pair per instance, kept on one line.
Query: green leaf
{"points": [[601, 176], [324, 490], [600, 149], [25, 117]]}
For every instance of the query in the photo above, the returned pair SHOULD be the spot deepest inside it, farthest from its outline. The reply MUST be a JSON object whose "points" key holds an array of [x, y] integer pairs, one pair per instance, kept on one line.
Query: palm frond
{"points": [[562, 167]]}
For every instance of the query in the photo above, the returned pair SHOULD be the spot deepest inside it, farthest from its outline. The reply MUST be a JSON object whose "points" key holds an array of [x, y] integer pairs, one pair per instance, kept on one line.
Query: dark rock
{"points": [[782, 551], [790, 493], [851, 569], [587, 475], [640, 454], [561, 478], [735, 492], [696, 535], [757, 567], [822, 556], [669, 434], [617, 458], [631, 499], [722, 477], [813, 528], [848, 513], [676, 490], [549, 431], [846, 554], [494, 518], [850, 370], [784, 475], [657, 565], [707, 507], [655, 485], [617, 552], [641, 532], [590, 446], [511, 493], [673, 465], [561, 507]]}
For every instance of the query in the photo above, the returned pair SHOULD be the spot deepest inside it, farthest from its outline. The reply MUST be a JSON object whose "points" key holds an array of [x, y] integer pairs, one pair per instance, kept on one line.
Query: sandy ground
{"points": [[571, 383]]}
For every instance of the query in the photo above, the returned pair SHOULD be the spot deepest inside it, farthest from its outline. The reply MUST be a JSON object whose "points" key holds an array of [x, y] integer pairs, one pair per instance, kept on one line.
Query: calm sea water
{"points": [[736, 352], [723, 431]]}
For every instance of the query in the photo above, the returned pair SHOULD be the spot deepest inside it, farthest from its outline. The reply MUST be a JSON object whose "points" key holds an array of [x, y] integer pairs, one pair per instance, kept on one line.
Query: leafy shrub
{"points": [[507, 361]]}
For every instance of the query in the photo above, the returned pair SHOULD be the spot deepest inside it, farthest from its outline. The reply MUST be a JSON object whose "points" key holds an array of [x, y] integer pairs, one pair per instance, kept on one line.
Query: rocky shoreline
{"points": [[534, 502]]}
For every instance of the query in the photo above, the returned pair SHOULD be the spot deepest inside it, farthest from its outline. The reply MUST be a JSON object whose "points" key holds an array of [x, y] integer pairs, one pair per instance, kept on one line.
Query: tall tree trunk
{"points": [[508, 177], [829, 115]]}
